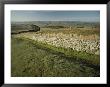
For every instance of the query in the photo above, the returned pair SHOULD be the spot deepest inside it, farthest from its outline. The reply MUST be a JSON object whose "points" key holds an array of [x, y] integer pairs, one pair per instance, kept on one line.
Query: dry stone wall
{"points": [[72, 41]]}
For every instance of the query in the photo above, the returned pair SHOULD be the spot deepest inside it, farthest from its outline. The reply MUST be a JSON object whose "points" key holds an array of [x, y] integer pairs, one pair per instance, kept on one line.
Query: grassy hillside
{"points": [[31, 58], [59, 49]]}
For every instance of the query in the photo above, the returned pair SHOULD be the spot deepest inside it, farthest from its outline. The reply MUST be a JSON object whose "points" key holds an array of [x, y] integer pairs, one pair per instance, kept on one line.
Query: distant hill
{"points": [[60, 23]]}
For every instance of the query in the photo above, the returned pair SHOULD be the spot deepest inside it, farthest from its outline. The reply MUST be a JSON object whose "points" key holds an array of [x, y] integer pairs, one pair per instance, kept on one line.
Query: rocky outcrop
{"points": [[22, 28]]}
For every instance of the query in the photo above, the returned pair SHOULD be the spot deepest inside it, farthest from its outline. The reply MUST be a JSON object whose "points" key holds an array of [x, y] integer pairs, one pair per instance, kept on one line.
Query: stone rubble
{"points": [[73, 41], [70, 41]]}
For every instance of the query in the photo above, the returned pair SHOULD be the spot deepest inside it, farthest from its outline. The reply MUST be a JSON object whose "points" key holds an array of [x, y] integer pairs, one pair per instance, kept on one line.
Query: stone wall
{"points": [[79, 43]]}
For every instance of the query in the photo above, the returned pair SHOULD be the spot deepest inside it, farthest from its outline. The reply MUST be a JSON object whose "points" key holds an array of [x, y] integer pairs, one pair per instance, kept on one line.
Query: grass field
{"points": [[34, 59], [56, 51], [79, 31]]}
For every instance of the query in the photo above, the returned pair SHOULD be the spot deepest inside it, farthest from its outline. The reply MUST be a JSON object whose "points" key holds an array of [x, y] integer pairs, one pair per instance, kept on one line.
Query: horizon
{"points": [[58, 21]]}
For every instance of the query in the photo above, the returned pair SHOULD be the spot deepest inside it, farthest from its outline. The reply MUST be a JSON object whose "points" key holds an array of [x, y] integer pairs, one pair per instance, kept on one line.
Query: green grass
{"points": [[77, 55], [34, 59]]}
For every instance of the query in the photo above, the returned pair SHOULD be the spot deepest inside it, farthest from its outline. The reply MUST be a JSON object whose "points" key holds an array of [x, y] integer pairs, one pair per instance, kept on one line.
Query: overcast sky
{"points": [[89, 16]]}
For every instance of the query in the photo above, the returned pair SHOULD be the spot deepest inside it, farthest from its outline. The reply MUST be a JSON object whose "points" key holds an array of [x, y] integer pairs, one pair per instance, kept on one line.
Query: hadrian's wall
{"points": [[79, 43]]}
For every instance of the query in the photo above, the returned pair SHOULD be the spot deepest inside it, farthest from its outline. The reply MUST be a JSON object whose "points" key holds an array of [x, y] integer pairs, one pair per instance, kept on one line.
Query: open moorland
{"points": [[55, 49]]}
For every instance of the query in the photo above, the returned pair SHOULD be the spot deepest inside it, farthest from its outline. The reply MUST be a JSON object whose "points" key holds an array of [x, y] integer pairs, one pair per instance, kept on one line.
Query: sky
{"points": [[23, 15]]}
